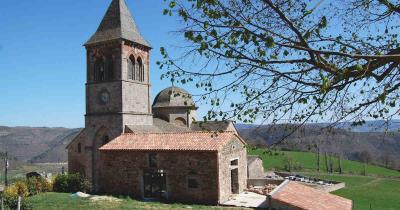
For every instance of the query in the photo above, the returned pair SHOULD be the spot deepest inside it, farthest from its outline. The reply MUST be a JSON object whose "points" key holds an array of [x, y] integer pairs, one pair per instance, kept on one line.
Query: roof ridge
{"points": [[183, 132]]}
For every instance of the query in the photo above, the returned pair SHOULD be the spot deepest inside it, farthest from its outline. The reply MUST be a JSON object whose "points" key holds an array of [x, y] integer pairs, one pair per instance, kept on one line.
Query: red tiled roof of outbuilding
{"points": [[186, 141], [304, 197]]}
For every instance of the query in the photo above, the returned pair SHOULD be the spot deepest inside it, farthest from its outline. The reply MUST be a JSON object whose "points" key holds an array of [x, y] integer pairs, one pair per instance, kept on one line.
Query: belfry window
{"points": [[99, 71], [110, 68], [131, 68], [140, 70]]}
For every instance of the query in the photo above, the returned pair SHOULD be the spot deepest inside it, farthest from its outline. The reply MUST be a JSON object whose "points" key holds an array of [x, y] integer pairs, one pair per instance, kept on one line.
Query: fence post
{"points": [[2, 203], [19, 203]]}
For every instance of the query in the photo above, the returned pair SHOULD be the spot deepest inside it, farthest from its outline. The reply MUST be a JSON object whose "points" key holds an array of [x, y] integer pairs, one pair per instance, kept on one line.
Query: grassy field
{"points": [[309, 163], [380, 189], [63, 201], [375, 192]]}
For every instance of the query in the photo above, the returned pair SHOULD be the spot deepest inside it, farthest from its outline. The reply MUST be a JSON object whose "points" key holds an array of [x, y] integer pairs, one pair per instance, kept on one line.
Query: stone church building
{"points": [[130, 146]]}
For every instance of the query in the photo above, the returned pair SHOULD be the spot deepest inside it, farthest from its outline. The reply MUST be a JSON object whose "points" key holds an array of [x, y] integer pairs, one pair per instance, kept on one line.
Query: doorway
{"points": [[235, 181], [155, 185]]}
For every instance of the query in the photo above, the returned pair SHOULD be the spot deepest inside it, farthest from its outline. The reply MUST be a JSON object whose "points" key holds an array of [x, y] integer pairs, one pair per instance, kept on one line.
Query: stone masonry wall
{"points": [[122, 173], [256, 169], [233, 150]]}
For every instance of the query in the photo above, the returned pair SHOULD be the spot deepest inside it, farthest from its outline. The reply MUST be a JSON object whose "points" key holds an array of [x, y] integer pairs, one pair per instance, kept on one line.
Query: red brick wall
{"points": [[122, 173]]}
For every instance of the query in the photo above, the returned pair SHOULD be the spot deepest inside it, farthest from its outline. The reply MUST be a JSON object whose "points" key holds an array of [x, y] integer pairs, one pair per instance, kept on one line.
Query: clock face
{"points": [[104, 97]]}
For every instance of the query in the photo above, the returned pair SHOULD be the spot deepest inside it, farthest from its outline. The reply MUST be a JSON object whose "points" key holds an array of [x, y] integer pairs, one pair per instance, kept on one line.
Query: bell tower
{"points": [[118, 77]]}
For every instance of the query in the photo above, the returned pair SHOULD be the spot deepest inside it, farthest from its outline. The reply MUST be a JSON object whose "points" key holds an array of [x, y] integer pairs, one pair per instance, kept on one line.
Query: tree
{"points": [[289, 61], [386, 159], [365, 156]]}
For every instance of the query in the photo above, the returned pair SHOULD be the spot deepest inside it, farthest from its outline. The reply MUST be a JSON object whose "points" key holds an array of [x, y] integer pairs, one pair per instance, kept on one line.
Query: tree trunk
{"points": [[318, 160], [326, 163], [340, 164], [365, 169]]}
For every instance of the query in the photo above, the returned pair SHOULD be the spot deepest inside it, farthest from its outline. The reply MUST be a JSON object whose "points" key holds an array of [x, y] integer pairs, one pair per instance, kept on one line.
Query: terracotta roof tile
{"points": [[190, 141], [303, 197]]}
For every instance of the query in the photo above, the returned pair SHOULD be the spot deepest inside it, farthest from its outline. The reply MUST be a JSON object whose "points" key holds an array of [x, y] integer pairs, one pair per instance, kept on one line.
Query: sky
{"points": [[43, 62]]}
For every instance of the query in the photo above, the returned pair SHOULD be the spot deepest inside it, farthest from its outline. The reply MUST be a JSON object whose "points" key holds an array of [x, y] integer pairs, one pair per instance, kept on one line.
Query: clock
{"points": [[104, 97]]}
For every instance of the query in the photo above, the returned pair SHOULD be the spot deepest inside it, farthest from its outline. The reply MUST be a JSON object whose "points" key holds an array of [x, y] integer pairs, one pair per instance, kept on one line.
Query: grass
{"points": [[375, 192], [309, 163], [63, 201]]}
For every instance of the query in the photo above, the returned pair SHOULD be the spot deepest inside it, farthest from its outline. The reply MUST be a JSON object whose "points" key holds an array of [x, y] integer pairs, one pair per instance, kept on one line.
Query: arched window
{"points": [[106, 139], [110, 68], [131, 68], [140, 70], [99, 72], [180, 121]]}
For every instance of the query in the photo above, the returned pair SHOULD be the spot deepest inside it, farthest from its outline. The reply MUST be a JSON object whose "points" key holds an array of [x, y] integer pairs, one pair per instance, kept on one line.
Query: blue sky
{"points": [[42, 61]]}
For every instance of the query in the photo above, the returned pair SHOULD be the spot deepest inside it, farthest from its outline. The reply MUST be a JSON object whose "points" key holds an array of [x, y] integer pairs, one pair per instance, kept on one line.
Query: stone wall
{"points": [[233, 150], [256, 168], [122, 173]]}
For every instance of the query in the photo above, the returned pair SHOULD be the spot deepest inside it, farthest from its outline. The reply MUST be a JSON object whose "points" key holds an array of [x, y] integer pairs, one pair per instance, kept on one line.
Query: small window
{"points": [[79, 147], [192, 183], [234, 162], [152, 160]]}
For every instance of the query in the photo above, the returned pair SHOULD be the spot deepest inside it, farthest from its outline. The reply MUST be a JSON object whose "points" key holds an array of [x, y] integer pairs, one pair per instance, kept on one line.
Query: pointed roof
{"points": [[118, 23]]}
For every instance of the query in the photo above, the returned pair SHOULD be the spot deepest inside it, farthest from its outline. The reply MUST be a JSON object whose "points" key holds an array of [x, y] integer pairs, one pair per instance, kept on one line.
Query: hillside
{"points": [[276, 160], [27, 144], [381, 148]]}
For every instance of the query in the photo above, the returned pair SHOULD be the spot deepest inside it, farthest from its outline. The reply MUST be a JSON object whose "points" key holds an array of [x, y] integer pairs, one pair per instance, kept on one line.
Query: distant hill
{"points": [[378, 147], [368, 126], [28, 144]]}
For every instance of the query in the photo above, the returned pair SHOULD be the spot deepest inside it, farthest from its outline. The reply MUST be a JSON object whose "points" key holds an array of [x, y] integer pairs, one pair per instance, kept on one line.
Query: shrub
{"points": [[12, 192], [38, 185], [71, 183]]}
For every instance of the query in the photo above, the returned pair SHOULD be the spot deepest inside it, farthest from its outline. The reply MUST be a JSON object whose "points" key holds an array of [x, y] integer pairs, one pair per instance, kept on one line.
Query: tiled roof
{"points": [[162, 126], [158, 126], [118, 23], [303, 197], [187, 141], [213, 126]]}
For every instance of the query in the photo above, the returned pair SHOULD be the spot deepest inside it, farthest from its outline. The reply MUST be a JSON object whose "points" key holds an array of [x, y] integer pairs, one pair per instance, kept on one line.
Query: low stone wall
{"points": [[331, 188], [263, 182]]}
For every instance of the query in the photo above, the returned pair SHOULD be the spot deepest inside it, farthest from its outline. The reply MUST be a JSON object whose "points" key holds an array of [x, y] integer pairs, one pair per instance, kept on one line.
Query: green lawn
{"points": [[309, 163], [380, 193], [63, 201]]}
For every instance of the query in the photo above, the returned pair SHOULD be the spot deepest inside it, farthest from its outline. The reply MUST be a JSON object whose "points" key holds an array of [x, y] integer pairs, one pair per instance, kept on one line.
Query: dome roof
{"points": [[173, 97]]}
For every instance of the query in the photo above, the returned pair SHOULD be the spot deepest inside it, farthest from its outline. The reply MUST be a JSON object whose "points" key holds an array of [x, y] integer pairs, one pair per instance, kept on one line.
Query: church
{"points": [[148, 150]]}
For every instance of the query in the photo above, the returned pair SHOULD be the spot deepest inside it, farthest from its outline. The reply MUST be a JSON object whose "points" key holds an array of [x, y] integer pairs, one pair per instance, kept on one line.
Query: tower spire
{"points": [[118, 23]]}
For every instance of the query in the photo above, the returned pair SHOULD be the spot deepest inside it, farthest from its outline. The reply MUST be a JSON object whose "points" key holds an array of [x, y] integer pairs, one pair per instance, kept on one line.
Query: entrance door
{"points": [[235, 181], [155, 185]]}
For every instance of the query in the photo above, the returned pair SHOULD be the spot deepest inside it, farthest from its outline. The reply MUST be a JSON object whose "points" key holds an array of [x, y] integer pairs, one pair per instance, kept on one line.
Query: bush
{"points": [[71, 183], [38, 185], [12, 192]]}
